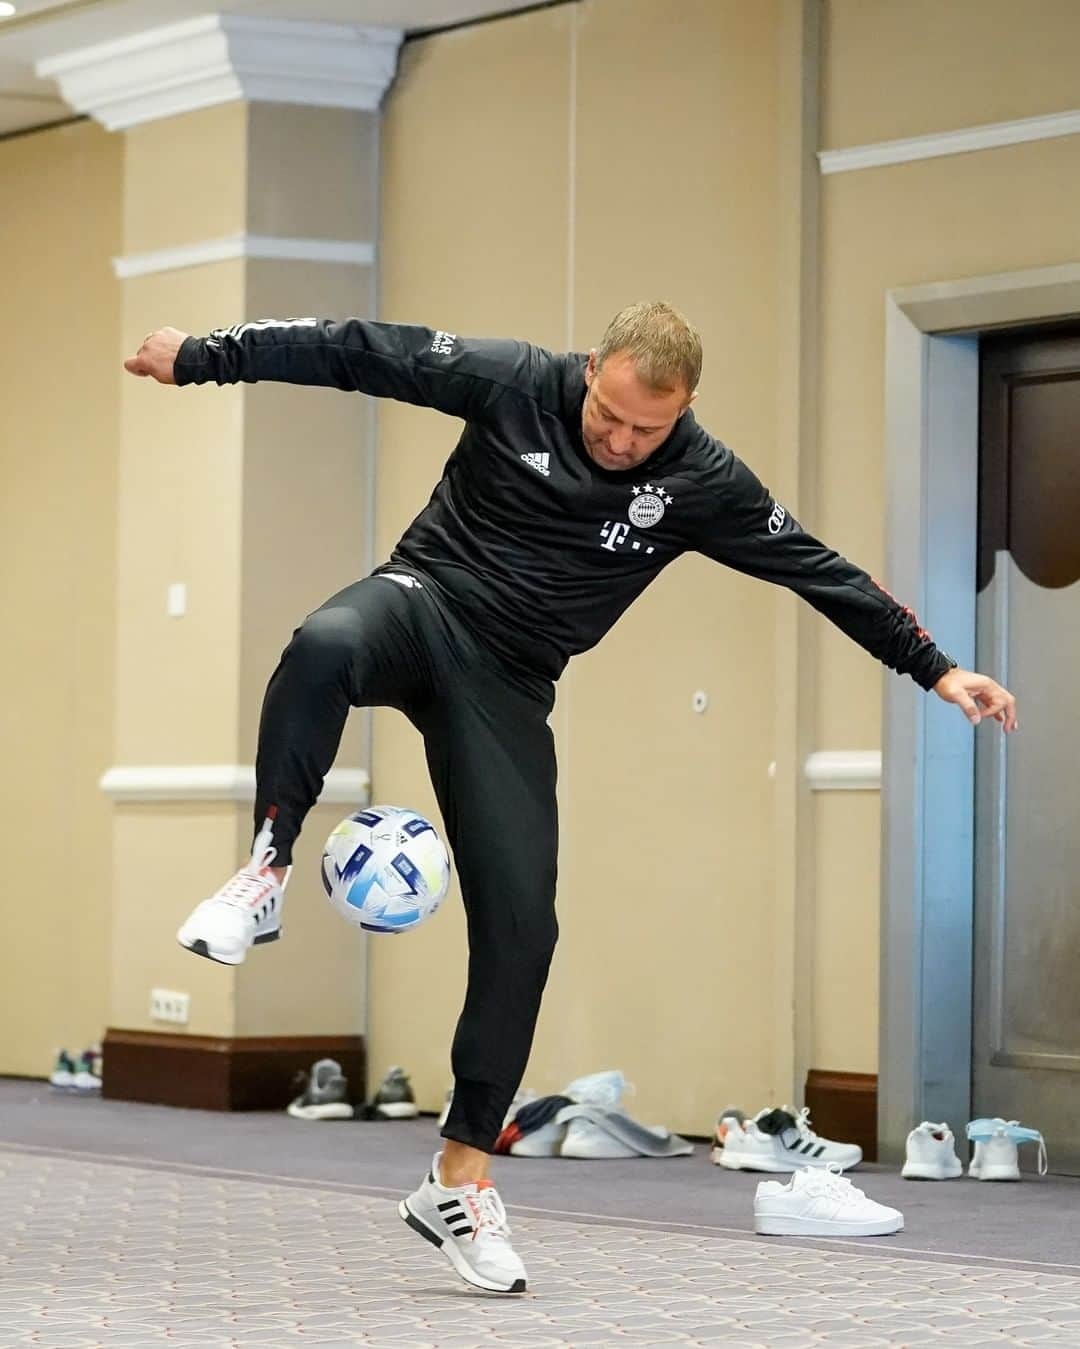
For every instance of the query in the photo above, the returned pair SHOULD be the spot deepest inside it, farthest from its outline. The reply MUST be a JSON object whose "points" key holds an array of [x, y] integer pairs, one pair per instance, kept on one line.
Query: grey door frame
{"points": [[928, 761]]}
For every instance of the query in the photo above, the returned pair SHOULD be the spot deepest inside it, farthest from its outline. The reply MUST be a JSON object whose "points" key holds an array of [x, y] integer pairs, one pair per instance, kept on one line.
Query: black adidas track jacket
{"points": [[534, 545]]}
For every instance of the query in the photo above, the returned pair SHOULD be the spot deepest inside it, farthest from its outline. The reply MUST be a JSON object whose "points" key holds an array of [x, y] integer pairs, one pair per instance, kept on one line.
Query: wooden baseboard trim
{"points": [[843, 1106], [209, 1072]]}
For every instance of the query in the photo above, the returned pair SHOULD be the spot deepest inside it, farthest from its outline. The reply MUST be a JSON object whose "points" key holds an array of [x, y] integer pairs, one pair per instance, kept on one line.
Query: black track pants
{"points": [[491, 756]]}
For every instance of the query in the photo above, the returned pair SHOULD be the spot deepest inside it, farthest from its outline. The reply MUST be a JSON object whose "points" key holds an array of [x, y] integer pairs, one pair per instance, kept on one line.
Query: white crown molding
{"points": [[198, 254], [844, 770], [219, 782], [987, 137], [220, 58]]}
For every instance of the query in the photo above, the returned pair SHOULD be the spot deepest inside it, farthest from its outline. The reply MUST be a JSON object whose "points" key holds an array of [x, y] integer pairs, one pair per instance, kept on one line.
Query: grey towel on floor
{"points": [[655, 1141]]}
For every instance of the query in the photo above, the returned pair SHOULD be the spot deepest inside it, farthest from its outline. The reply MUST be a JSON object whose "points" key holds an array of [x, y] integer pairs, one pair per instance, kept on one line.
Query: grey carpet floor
{"points": [[120, 1256], [128, 1226], [1034, 1222]]}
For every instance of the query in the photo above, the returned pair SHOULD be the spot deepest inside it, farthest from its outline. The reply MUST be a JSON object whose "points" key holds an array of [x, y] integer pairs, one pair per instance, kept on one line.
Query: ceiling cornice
{"points": [[221, 58]]}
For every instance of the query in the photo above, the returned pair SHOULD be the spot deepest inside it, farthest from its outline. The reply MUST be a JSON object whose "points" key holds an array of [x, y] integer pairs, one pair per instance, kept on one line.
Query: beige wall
{"points": [[899, 68], [60, 222]]}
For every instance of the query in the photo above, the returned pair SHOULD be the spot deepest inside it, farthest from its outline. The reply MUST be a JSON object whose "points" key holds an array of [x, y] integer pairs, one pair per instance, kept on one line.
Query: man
{"points": [[574, 482]]}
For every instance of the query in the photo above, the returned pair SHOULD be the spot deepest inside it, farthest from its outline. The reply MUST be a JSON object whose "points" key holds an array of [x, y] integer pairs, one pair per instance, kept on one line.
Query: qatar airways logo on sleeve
{"points": [[443, 343]]}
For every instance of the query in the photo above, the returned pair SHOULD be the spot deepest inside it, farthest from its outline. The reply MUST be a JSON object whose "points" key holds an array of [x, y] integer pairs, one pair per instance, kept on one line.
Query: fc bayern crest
{"points": [[648, 506]]}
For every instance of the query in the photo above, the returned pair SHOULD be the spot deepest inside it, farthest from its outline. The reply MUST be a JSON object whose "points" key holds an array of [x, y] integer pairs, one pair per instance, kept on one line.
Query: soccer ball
{"points": [[385, 869]]}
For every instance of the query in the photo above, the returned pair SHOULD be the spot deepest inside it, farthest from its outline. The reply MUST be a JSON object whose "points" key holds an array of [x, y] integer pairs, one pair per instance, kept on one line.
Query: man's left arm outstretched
{"points": [[746, 529]]}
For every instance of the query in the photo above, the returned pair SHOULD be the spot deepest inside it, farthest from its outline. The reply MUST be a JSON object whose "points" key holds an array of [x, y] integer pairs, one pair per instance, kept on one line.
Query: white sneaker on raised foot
{"points": [[468, 1224], [820, 1204], [931, 1154], [245, 912]]}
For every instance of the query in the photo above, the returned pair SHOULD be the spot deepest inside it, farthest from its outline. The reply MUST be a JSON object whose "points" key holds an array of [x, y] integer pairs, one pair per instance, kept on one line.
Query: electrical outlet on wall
{"points": [[168, 1005]]}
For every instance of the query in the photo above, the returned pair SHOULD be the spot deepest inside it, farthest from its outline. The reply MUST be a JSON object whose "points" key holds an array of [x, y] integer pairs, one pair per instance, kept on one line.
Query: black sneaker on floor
{"points": [[325, 1094], [394, 1098]]}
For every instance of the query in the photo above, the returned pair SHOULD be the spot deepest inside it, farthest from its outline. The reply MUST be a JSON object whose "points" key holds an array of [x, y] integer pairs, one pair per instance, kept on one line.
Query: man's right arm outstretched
{"points": [[414, 364]]}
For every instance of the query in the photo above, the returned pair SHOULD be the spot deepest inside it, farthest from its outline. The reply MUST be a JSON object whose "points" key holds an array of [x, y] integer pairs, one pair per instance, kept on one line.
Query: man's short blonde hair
{"points": [[665, 349]]}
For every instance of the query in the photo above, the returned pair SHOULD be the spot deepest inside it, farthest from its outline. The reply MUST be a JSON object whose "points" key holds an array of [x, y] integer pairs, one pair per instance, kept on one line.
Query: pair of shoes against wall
{"points": [[931, 1151], [83, 1076], [324, 1095]]}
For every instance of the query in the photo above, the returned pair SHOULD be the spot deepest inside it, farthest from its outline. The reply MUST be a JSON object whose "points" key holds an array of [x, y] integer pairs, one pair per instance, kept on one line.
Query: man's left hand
{"points": [[978, 696]]}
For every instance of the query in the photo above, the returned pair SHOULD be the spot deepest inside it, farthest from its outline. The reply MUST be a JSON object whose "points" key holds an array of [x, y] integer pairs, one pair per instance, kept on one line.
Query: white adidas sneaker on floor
{"points": [[468, 1224], [820, 1204], [780, 1140], [245, 912], [931, 1154]]}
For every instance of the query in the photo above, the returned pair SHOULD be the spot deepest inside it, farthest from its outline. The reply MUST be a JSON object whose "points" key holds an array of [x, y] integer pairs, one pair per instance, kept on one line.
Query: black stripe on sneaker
{"points": [[417, 1226], [820, 1150], [461, 1231], [450, 1203]]}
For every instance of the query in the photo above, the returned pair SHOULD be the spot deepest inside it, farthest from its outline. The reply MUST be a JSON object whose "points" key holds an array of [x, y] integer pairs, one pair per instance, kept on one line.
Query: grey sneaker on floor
{"points": [[326, 1095], [394, 1098]]}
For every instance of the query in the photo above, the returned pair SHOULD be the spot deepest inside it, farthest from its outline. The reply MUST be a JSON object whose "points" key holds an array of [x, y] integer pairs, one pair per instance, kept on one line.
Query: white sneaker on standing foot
{"points": [[820, 1204], [931, 1154], [245, 912], [468, 1224]]}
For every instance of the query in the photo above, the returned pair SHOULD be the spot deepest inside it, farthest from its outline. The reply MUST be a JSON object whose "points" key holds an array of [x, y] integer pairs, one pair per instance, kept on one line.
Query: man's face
{"points": [[623, 421]]}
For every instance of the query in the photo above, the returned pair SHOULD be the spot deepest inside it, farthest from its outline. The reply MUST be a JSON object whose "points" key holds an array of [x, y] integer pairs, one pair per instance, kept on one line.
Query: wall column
{"points": [[240, 510]]}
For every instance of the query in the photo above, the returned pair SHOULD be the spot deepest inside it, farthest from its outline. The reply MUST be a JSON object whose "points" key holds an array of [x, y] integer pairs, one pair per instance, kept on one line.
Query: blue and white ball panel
{"points": [[385, 869], [347, 851]]}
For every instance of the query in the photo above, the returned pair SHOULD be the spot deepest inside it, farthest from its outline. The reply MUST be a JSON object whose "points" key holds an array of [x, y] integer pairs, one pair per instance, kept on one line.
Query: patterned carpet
{"points": [[117, 1253]]}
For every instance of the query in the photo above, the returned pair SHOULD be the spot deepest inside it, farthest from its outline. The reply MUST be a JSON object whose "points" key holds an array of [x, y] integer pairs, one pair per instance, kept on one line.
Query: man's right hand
{"points": [[157, 355]]}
